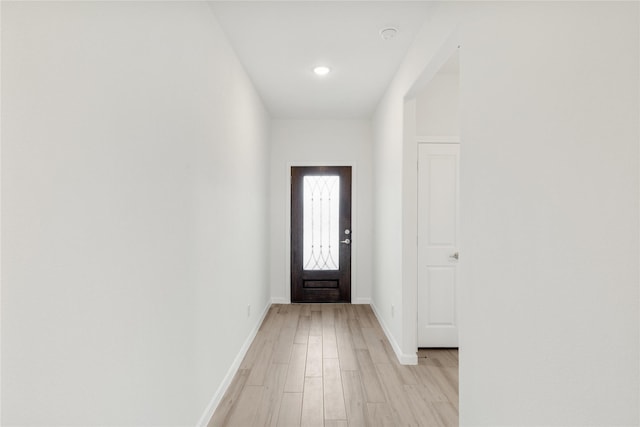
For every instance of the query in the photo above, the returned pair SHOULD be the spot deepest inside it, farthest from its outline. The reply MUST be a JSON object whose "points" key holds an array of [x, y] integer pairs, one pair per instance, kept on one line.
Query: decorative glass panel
{"points": [[321, 222]]}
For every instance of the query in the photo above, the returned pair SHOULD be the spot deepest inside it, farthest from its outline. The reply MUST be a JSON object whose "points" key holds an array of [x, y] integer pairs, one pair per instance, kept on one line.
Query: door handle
{"points": [[345, 241], [455, 256]]}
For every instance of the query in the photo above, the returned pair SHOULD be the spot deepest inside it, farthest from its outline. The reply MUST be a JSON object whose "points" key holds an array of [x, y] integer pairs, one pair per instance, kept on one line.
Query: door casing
{"points": [[333, 285], [438, 257], [355, 295]]}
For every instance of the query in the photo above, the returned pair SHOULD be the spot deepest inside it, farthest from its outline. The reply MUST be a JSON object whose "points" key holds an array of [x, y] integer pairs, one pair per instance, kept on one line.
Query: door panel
{"points": [[438, 190], [440, 296], [321, 234]]}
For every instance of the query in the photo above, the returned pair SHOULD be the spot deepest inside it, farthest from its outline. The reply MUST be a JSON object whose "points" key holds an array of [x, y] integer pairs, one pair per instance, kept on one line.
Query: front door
{"points": [[321, 234], [438, 245]]}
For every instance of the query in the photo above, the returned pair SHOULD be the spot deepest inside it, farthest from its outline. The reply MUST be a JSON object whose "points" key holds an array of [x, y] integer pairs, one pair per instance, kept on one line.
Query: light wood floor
{"points": [[331, 365]]}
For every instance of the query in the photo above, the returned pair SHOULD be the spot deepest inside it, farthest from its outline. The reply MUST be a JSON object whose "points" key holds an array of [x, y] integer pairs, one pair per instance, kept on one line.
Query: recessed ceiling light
{"points": [[321, 70], [388, 33]]}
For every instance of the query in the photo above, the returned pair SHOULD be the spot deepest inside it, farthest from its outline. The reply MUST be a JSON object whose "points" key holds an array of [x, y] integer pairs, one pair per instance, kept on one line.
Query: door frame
{"points": [[354, 224], [439, 140], [332, 285]]}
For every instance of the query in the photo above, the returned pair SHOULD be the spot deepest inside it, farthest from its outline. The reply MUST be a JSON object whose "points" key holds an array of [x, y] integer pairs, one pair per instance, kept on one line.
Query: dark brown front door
{"points": [[321, 234]]}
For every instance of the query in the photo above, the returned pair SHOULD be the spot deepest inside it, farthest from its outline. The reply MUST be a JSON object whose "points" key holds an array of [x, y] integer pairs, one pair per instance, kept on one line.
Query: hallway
{"points": [[332, 365]]}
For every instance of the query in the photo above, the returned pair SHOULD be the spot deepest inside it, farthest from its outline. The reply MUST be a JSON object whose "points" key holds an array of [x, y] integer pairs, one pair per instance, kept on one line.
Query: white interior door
{"points": [[438, 189]]}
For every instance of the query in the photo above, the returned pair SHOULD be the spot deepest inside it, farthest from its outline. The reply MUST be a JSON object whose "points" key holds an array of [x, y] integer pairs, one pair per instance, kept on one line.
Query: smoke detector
{"points": [[388, 33]]}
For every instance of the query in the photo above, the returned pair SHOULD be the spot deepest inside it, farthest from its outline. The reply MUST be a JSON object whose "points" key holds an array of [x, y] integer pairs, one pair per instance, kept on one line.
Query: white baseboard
{"points": [[361, 301], [217, 396], [403, 358]]}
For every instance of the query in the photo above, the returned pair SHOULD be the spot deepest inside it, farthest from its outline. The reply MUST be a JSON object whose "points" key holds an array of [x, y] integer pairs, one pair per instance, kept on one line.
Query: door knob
{"points": [[455, 256], [345, 241]]}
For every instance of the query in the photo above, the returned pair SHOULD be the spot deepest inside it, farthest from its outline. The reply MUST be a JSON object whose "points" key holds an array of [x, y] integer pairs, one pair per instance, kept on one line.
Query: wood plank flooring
{"points": [[331, 365]]}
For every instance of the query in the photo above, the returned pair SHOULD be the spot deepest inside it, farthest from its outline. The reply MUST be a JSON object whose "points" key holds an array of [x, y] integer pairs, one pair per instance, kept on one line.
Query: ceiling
{"points": [[279, 44]]}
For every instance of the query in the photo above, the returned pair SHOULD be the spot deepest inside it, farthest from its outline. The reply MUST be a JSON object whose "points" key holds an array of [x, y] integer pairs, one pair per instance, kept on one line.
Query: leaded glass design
{"points": [[320, 246]]}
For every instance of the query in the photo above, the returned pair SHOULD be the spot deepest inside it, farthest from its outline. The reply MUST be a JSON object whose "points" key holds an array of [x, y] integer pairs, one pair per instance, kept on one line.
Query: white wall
{"points": [[321, 142], [549, 193], [134, 196], [437, 109], [550, 214]]}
